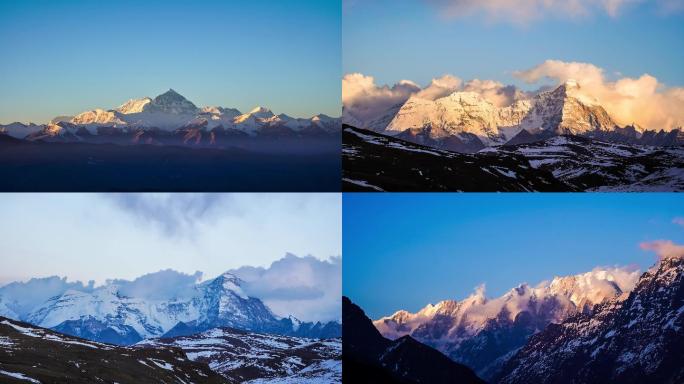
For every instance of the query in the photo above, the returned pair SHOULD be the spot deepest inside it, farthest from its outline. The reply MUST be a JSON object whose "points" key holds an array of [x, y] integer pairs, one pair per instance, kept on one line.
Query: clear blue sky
{"points": [[403, 251], [67, 56], [412, 39]]}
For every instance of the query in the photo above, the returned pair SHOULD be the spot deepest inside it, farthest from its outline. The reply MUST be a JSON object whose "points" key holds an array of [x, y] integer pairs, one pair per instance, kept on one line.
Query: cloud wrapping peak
{"points": [[162, 285], [664, 249], [642, 100], [363, 100], [27, 295]]}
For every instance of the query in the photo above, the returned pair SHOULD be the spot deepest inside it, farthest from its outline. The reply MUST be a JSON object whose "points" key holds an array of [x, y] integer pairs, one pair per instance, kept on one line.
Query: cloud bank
{"points": [[643, 100], [522, 12], [305, 287]]}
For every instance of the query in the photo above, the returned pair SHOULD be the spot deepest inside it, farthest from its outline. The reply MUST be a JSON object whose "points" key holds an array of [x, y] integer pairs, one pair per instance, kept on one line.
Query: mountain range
{"points": [[108, 314], [467, 122], [607, 325], [172, 119], [479, 331]]}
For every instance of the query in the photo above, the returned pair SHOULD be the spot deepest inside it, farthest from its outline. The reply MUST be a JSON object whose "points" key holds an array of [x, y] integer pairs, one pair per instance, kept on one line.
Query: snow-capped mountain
{"points": [[466, 122], [245, 356], [479, 331], [637, 339], [105, 314], [161, 119], [459, 114]]}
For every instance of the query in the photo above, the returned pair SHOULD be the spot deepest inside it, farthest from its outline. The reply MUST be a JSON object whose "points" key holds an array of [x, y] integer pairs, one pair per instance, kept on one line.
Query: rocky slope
{"points": [[370, 358], [244, 356], [374, 162], [592, 165], [637, 339], [480, 332], [37, 355]]}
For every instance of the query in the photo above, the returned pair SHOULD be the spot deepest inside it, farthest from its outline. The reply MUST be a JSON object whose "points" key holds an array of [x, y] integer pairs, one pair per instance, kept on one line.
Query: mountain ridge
{"points": [[171, 114], [477, 331], [106, 314]]}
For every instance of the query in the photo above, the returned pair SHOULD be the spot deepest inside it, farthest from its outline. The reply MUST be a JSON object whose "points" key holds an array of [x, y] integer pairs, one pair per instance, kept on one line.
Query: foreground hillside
{"points": [[375, 162], [245, 356], [30, 354]]}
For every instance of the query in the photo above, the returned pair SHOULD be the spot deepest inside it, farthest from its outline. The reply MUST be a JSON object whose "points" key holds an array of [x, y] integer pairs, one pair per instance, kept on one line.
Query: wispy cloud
{"points": [[664, 249], [523, 12], [678, 221]]}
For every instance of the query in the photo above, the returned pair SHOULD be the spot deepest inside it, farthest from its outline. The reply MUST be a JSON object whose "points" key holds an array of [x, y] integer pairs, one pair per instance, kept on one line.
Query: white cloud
{"points": [[664, 249], [306, 287], [643, 100], [162, 285], [522, 12], [495, 92], [440, 87]]}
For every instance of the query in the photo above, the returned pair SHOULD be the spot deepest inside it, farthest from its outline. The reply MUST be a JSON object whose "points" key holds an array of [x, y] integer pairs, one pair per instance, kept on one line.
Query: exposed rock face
{"points": [[637, 339]]}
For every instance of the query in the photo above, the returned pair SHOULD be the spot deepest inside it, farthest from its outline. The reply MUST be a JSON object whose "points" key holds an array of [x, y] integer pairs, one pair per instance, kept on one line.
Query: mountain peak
{"points": [[571, 83], [174, 103], [259, 110]]}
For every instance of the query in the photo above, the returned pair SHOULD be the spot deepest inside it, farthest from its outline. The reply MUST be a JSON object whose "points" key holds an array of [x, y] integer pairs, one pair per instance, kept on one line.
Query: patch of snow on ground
{"points": [[362, 184], [19, 376]]}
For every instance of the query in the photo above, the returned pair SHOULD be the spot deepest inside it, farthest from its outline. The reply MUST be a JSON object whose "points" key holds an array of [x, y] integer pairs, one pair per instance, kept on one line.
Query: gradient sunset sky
{"points": [[405, 250], [65, 57]]}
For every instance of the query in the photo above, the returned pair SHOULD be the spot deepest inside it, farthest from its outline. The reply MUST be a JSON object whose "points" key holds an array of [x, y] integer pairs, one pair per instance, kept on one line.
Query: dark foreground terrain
{"points": [[370, 358], [61, 167], [375, 162], [30, 354]]}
